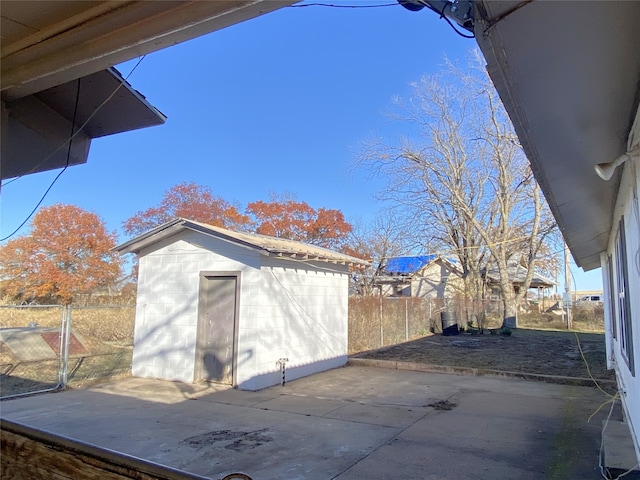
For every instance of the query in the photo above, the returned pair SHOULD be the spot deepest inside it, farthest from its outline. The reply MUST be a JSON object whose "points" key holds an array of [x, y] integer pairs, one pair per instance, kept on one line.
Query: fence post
{"points": [[66, 338], [63, 323], [381, 327], [406, 319]]}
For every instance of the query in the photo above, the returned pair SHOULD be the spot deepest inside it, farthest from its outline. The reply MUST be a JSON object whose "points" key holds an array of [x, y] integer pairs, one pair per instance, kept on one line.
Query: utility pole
{"points": [[568, 299]]}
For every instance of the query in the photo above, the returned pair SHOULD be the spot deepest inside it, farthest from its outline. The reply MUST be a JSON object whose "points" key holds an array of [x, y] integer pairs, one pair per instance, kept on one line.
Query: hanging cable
{"points": [[74, 133], [73, 126], [344, 6], [333, 5], [93, 114]]}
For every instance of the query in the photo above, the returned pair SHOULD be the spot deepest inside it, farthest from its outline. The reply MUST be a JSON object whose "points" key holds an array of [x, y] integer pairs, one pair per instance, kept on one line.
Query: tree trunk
{"points": [[510, 311]]}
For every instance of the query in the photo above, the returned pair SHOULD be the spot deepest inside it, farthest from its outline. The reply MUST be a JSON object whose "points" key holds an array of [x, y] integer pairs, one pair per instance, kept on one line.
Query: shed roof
{"points": [[277, 247]]}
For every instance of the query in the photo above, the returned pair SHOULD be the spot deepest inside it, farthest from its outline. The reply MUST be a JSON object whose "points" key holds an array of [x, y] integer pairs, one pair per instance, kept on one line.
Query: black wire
{"points": [[343, 6], [442, 15], [79, 130], [73, 134], [73, 127], [456, 30]]}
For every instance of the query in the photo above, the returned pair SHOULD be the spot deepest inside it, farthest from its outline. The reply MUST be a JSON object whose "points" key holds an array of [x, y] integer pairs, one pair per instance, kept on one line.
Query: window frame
{"points": [[623, 301], [612, 298]]}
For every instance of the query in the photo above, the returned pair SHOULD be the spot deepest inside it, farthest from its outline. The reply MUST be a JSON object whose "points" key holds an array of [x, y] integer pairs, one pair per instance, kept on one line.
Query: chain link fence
{"points": [[379, 321], [45, 348], [376, 322]]}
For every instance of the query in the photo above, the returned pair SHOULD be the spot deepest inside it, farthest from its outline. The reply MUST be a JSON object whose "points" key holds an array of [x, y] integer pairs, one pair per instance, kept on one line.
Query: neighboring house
{"points": [[224, 306], [437, 277], [423, 276], [517, 275], [569, 76]]}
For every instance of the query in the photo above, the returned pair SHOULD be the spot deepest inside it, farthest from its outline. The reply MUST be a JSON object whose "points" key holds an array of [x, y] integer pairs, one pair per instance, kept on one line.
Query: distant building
{"points": [[422, 276]]}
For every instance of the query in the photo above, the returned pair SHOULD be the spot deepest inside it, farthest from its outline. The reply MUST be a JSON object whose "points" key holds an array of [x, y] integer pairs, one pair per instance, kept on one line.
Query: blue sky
{"points": [[276, 104]]}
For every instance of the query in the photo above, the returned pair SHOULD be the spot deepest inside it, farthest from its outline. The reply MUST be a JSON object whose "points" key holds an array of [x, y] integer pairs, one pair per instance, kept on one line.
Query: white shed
{"points": [[228, 307]]}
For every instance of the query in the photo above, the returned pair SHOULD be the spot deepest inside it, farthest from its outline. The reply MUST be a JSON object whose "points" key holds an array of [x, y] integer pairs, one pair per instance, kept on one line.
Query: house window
{"points": [[622, 299], [612, 303]]}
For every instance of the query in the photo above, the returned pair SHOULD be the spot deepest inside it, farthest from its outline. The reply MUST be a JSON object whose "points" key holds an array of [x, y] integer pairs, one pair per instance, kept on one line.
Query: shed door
{"points": [[216, 329]]}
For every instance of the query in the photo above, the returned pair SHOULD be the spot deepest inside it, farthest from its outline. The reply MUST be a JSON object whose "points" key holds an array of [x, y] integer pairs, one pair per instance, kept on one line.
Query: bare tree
{"points": [[466, 180], [377, 241]]}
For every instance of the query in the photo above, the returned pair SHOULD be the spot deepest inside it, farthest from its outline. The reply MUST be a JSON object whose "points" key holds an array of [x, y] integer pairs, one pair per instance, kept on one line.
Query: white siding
{"points": [[299, 313], [287, 309], [627, 206], [429, 282], [167, 303], [436, 281]]}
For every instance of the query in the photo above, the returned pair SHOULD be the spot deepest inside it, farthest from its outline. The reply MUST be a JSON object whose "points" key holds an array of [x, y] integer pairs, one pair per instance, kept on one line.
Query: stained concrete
{"points": [[348, 423], [618, 452]]}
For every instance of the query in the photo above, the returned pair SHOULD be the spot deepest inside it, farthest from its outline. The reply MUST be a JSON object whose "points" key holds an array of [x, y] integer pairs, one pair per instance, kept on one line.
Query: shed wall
{"points": [[299, 313], [167, 303], [287, 309]]}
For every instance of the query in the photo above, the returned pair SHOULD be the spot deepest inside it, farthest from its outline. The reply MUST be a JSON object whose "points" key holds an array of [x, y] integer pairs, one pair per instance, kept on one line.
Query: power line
{"points": [[333, 5], [69, 141], [73, 126]]}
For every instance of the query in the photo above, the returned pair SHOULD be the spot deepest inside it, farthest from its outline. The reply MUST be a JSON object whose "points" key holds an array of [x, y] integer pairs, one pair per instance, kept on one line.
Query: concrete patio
{"points": [[349, 423]]}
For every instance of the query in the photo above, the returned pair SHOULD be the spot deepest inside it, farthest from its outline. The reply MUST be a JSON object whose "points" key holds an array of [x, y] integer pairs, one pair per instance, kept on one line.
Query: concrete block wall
{"points": [[287, 309], [167, 303], [299, 313]]}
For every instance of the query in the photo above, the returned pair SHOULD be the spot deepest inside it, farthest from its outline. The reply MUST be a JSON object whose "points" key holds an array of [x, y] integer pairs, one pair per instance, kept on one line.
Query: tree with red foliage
{"points": [[190, 201], [286, 217], [67, 252]]}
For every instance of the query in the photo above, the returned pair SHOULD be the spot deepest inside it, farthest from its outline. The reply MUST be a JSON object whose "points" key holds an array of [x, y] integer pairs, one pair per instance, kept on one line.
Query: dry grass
{"points": [[539, 352], [105, 333], [103, 323], [376, 322], [541, 345]]}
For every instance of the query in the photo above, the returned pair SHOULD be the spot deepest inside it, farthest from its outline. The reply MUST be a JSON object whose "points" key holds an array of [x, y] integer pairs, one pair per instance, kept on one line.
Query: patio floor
{"points": [[348, 423]]}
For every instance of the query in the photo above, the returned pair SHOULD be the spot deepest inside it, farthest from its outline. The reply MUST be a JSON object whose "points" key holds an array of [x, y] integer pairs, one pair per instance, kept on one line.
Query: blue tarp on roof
{"points": [[408, 265]]}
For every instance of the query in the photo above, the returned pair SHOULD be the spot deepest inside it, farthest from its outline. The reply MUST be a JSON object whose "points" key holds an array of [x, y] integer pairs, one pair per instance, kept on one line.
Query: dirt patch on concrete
{"points": [[535, 352], [231, 440]]}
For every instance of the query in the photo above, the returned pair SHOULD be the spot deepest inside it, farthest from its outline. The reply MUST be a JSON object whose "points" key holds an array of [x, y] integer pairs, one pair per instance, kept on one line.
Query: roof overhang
{"points": [[38, 127], [48, 45], [568, 74]]}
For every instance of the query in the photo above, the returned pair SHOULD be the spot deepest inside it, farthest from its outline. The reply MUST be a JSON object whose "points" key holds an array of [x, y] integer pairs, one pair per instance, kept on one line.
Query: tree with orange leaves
{"points": [[190, 201], [286, 217], [67, 252]]}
